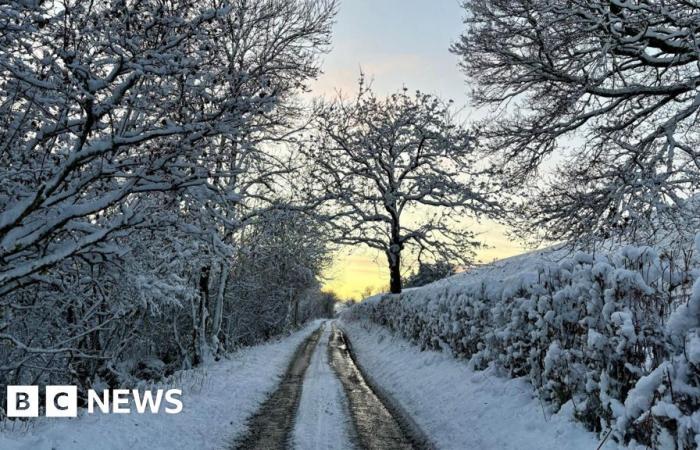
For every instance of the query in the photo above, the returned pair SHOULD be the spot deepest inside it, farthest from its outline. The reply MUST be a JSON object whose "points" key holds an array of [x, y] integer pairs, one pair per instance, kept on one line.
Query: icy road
{"points": [[331, 385], [325, 402]]}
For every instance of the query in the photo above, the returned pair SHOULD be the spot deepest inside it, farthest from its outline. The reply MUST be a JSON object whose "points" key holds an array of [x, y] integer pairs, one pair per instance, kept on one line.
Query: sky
{"points": [[397, 43]]}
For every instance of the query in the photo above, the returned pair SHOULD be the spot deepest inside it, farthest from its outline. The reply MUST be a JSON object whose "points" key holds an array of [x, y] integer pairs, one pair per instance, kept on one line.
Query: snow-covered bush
{"points": [[617, 336], [428, 273]]}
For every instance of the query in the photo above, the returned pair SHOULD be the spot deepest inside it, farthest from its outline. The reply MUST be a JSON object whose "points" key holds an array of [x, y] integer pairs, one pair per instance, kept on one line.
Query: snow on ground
{"points": [[459, 408], [506, 267], [494, 272], [217, 400], [323, 420]]}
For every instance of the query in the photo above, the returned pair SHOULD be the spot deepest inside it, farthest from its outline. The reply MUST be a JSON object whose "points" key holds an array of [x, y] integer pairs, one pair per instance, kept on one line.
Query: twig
{"points": [[607, 435]]}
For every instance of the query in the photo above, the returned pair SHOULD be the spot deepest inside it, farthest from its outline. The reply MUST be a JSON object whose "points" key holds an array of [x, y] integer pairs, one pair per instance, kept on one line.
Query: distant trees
{"points": [[428, 272], [608, 86], [274, 283], [137, 142], [398, 173]]}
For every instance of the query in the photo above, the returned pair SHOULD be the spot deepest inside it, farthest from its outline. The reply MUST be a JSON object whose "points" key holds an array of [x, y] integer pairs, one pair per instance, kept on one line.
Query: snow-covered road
{"points": [[328, 403], [326, 397], [400, 397], [323, 420]]}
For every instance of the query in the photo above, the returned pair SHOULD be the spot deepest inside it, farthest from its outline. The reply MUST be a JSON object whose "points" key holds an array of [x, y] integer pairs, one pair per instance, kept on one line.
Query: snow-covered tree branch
{"points": [[137, 140], [399, 173], [610, 88]]}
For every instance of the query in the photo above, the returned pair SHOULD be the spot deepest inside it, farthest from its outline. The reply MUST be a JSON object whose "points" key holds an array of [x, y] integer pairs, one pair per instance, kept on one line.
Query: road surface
{"points": [[325, 402]]}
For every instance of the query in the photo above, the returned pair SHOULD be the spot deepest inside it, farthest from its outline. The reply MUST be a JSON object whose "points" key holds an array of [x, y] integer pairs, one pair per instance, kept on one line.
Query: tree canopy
{"points": [[399, 173]]}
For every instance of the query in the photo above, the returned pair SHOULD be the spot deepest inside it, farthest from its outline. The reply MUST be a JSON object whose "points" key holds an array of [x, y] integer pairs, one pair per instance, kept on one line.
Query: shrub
{"points": [[616, 335]]}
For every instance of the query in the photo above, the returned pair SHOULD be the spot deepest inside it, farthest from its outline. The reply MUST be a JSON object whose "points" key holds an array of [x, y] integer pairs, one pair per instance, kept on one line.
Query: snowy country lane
{"points": [[325, 403], [334, 385]]}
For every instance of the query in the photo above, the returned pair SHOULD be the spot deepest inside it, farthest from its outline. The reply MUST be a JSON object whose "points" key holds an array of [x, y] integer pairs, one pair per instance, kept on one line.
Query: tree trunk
{"points": [[200, 318], [394, 255], [394, 252], [296, 311], [219, 309]]}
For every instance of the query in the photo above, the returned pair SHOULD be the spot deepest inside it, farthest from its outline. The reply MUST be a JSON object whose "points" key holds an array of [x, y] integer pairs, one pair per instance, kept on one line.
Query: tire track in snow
{"points": [[323, 419], [271, 427], [376, 425]]}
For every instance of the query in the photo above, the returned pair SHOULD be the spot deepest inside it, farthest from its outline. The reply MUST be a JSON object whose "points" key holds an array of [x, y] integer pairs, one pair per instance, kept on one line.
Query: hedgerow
{"points": [[617, 336]]}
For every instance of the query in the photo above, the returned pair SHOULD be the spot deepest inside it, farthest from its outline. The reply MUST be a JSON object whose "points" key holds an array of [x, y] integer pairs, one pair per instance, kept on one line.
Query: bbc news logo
{"points": [[62, 401]]}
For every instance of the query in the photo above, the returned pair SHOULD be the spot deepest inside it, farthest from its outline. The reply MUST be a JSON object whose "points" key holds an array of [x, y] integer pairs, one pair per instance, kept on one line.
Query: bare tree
{"points": [[609, 85], [147, 97], [399, 172], [135, 144], [276, 275]]}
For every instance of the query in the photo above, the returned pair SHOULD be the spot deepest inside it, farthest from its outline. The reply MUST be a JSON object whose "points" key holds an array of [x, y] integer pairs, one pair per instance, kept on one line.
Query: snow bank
{"points": [[586, 331], [459, 408], [217, 401]]}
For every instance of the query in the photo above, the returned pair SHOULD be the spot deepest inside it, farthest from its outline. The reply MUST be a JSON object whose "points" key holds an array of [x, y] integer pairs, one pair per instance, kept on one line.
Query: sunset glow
{"points": [[397, 43]]}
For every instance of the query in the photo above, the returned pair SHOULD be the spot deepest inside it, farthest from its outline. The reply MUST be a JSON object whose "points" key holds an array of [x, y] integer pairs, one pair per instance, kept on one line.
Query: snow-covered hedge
{"points": [[618, 336]]}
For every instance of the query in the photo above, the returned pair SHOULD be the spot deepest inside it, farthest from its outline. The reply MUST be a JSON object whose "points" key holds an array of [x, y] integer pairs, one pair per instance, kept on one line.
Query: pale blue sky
{"points": [[396, 43]]}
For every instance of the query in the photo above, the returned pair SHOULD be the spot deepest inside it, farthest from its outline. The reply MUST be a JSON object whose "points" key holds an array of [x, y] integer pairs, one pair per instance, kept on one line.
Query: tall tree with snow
{"points": [[135, 144], [398, 172], [611, 88]]}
